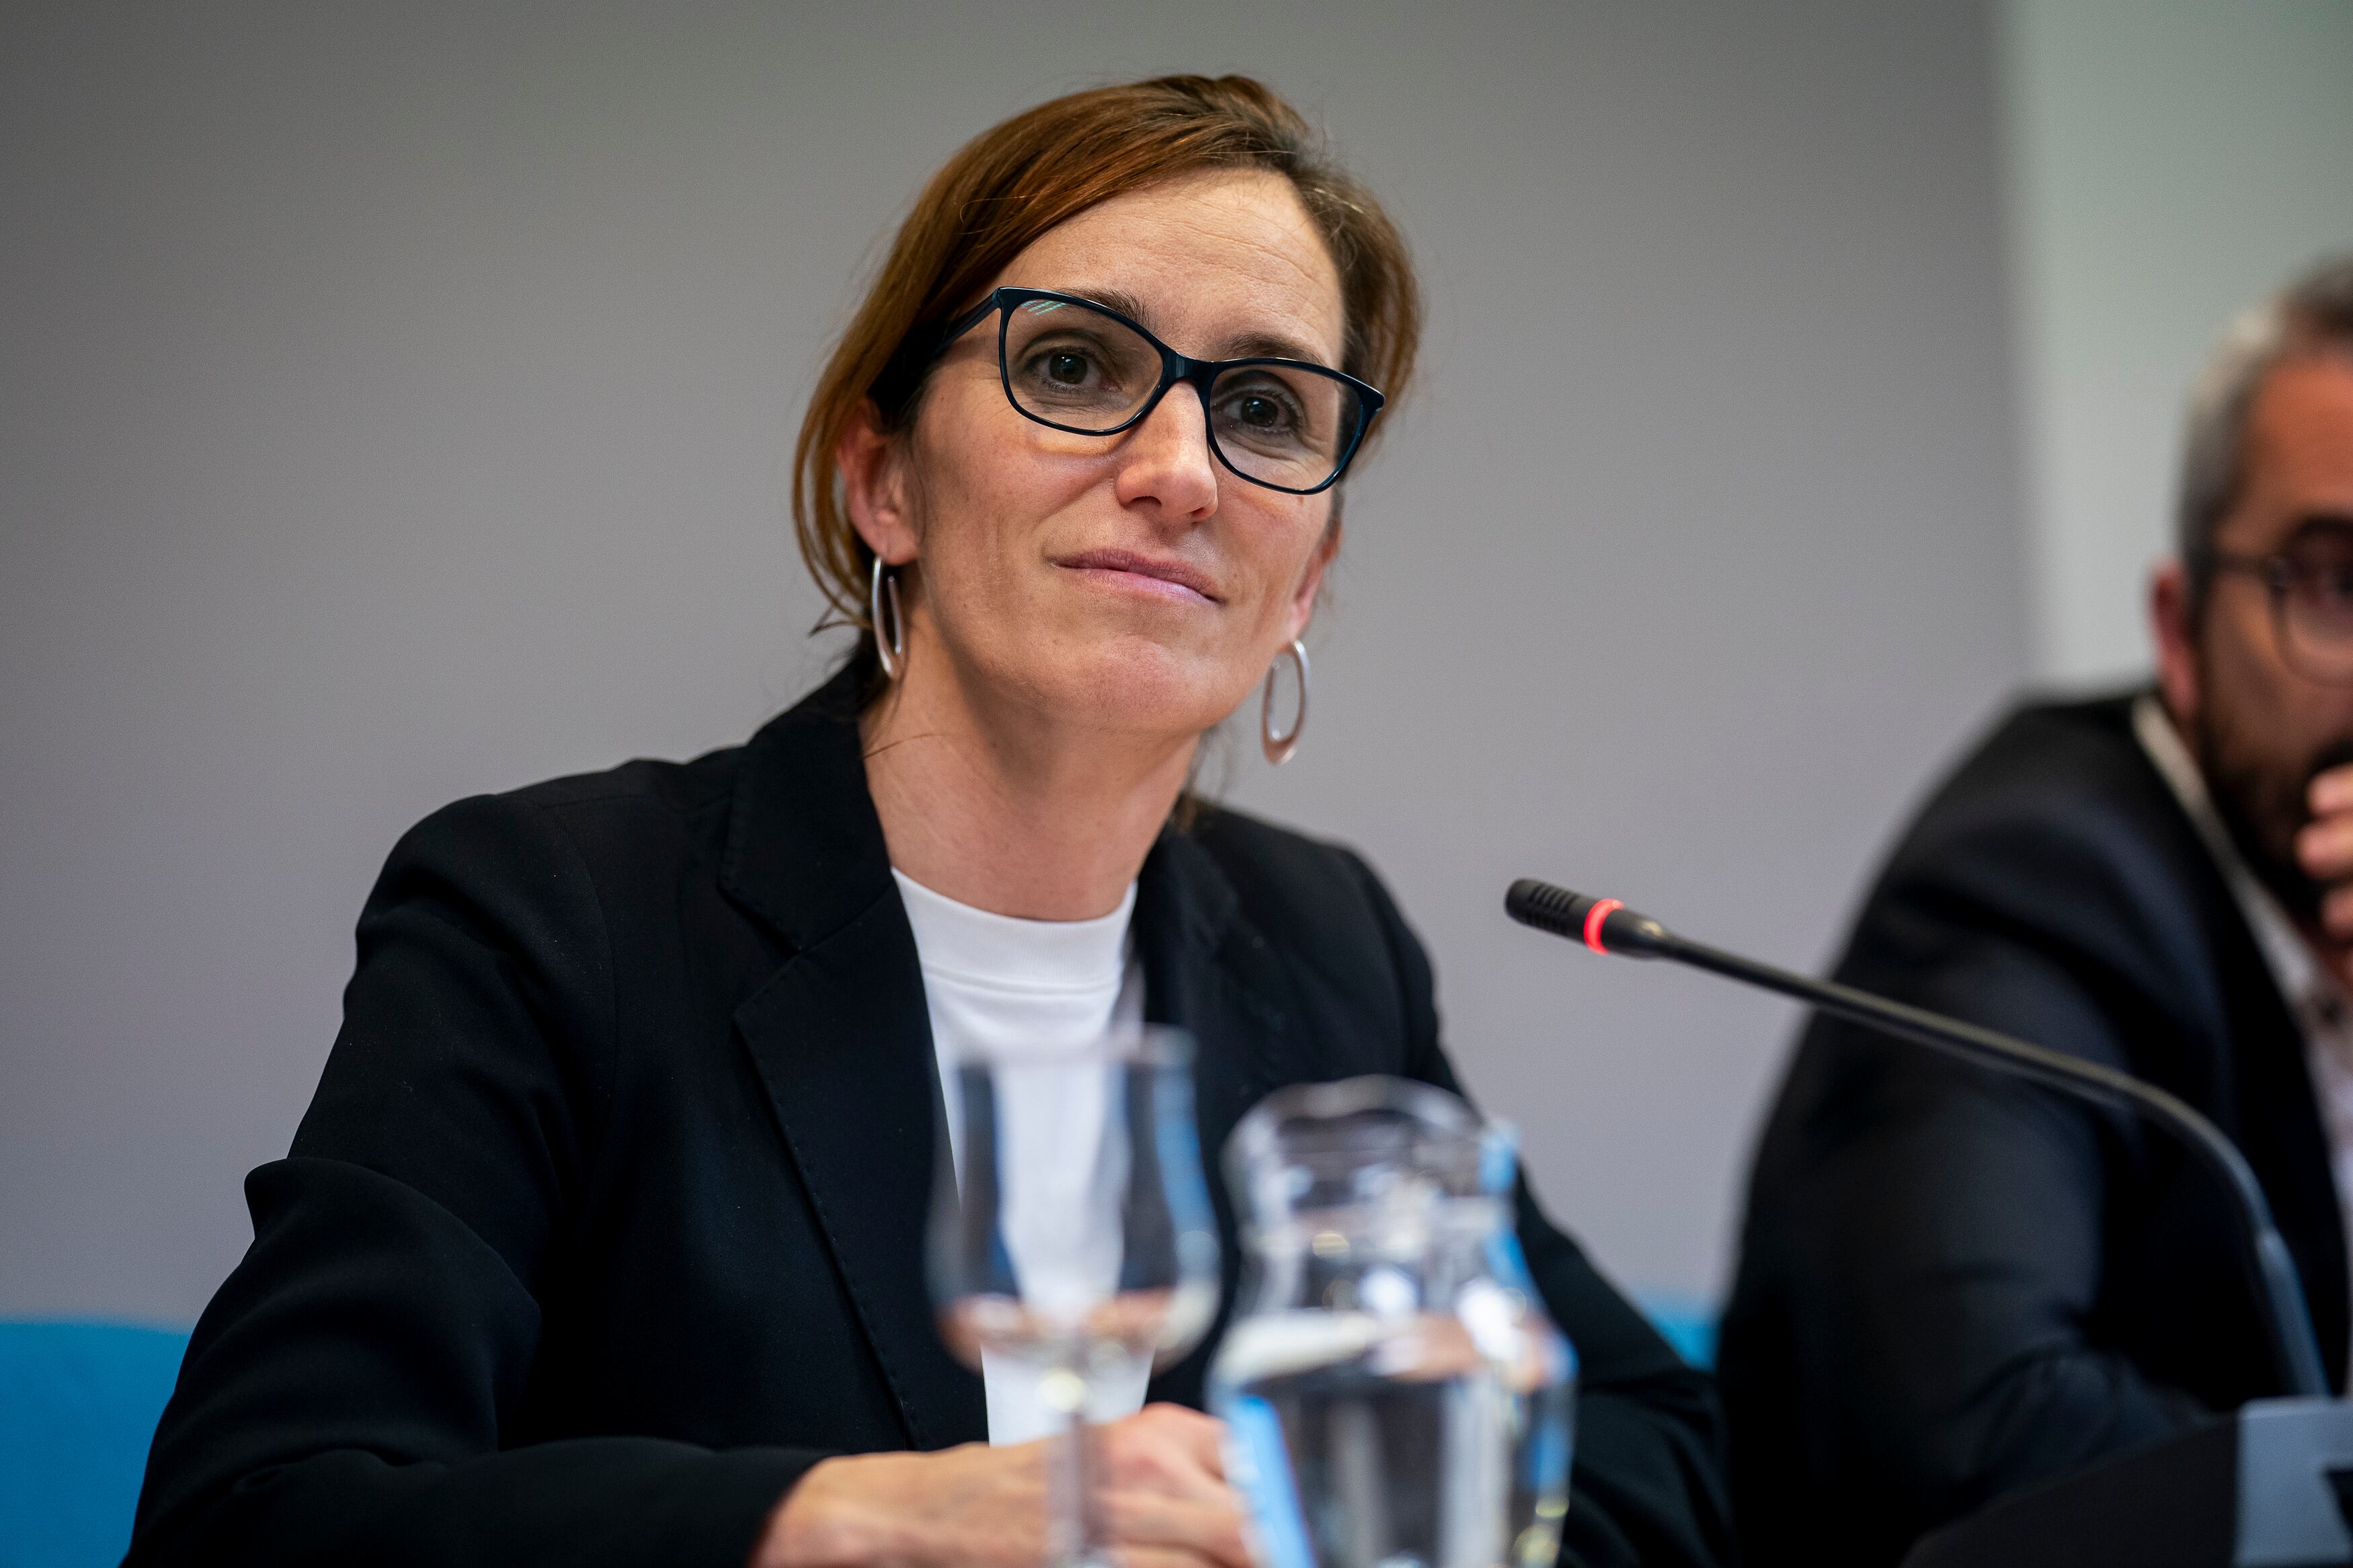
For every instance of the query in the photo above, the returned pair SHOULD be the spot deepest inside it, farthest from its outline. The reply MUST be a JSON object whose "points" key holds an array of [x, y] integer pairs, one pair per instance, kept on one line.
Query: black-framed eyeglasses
{"points": [[1075, 365], [2310, 590]]}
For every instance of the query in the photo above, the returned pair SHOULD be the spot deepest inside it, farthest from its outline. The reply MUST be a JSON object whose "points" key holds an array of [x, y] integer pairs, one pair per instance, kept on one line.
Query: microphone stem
{"points": [[2269, 1261]]}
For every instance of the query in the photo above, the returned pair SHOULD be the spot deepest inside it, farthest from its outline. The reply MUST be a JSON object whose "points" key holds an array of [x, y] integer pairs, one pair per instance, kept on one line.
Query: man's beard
{"points": [[2264, 804]]}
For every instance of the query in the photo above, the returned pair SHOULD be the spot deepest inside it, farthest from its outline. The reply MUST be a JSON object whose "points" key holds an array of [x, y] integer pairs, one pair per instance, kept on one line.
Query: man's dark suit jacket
{"points": [[1951, 1284], [606, 1221]]}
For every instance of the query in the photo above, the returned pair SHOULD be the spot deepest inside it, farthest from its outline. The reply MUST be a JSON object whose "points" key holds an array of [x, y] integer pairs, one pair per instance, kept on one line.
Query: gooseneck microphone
{"points": [[1607, 926]]}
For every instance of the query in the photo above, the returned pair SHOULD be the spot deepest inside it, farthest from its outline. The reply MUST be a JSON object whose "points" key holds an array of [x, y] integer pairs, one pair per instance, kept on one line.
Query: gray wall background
{"points": [[393, 402], [2167, 164]]}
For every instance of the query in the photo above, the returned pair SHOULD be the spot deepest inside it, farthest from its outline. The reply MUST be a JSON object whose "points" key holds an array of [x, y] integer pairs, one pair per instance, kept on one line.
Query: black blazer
{"points": [[606, 1223], [1951, 1284]]}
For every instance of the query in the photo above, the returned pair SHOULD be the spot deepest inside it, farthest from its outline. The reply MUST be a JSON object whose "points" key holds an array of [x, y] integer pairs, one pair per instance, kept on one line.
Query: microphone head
{"points": [[1605, 925], [1548, 907]]}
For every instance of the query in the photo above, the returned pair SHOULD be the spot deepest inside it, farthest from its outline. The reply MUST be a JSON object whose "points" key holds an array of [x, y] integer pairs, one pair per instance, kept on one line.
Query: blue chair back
{"points": [[79, 1403], [77, 1408], [1685, 1322]]}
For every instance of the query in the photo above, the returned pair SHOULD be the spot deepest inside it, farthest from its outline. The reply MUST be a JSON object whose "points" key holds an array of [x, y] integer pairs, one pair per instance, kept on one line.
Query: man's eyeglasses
{"points": [[2311, 589], [1074, 365]]}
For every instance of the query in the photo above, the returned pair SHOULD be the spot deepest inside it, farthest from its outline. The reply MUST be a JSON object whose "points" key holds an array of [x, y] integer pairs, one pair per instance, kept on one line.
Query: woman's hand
{"points": [[1164, 1502]]}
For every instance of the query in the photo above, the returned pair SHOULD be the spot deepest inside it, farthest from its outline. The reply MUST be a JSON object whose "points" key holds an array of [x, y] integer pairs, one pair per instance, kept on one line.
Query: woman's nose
{"points": [[1166, 460]]}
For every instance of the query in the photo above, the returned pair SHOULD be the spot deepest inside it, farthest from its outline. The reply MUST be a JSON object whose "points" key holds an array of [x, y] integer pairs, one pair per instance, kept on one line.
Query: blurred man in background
{"points": [[1953, 1284]]}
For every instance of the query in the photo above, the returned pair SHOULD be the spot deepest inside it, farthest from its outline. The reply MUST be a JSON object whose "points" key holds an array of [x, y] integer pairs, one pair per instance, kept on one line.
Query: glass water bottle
{"points": [[1394, 1394]]}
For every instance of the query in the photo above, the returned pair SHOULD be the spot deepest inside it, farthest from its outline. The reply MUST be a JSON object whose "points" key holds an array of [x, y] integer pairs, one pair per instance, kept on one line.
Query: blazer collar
{"points": [[1209, 971], [841, 1036], [805, 850], [841, 1042]]}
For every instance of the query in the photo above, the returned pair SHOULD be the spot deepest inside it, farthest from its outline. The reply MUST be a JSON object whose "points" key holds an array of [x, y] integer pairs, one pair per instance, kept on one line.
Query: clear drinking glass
{"points": [[1394, 1394], [1072, 1247]]}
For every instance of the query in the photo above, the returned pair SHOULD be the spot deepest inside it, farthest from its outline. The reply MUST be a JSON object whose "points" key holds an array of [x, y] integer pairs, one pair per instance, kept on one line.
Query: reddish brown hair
{"points": [[1011, 185]]}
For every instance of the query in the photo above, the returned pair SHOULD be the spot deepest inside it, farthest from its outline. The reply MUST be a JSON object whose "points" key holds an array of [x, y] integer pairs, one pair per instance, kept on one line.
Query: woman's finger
{"points": [[1202, 1435], [1160, 1557], [1168, 1442], [1209, 1528]]}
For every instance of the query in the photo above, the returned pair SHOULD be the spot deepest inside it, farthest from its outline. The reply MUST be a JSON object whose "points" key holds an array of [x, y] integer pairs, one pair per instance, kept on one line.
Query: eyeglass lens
{"points": [[1080, 370], [2316, 600]]}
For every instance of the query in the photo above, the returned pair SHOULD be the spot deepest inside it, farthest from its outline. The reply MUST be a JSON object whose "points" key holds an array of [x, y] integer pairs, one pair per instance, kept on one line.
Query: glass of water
{"points": [[1072, 1250], [1394, 1394]]}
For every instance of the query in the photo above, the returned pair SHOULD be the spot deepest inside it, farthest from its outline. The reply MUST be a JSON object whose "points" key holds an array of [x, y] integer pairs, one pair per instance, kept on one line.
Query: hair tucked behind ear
{"points": [[1009, 185]]}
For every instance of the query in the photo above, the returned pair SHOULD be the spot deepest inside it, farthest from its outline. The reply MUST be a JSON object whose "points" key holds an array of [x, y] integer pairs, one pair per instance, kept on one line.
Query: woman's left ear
{"points": [[1302, 603]]}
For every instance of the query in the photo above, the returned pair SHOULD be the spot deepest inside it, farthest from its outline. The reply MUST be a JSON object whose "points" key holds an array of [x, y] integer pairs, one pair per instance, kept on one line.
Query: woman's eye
{"points": [[1260, 413], [1067, 368]]}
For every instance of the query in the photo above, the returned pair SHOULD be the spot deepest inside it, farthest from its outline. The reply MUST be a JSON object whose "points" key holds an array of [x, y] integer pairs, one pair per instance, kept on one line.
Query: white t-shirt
{"points": [[1002, 988]]}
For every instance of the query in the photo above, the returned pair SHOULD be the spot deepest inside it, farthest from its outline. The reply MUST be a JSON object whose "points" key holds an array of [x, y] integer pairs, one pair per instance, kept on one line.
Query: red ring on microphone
{"points": [[1601, 910]]}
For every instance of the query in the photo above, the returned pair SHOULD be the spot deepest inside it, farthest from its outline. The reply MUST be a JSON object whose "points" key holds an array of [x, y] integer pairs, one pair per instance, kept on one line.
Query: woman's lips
{"points": [[1163, 579]]}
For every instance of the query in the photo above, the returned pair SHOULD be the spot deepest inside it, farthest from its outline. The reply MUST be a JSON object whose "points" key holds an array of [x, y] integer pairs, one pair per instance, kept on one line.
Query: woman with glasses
{"points": [[601, 1240]]}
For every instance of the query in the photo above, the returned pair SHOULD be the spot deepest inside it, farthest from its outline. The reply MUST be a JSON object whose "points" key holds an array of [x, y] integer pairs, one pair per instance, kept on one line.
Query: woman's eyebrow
{"points": [[1256, 344], [1119, 300], [1270, 345]]}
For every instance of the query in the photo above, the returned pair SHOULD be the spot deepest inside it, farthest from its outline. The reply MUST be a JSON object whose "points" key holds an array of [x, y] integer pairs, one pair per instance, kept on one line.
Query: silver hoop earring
{"points": [[892, 650], [1279, 748]]}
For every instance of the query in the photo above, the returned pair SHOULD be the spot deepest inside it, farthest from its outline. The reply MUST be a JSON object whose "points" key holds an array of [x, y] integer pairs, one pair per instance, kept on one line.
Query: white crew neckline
{"points": [[979, 947]]}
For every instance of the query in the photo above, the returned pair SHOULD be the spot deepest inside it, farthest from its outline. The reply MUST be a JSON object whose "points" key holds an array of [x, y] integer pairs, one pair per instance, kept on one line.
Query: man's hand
{"points": [[2325, 849], [1164, 1502]]}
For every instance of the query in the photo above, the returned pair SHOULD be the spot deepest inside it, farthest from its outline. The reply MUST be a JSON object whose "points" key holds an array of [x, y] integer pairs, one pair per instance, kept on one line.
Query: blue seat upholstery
{"points": [[79, 1403], [1687, 1324], [77, 1408]]}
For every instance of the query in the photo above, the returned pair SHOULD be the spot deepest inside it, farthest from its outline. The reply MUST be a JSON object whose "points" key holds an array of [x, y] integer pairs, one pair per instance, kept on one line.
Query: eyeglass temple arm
{"points": [[967, 321]]}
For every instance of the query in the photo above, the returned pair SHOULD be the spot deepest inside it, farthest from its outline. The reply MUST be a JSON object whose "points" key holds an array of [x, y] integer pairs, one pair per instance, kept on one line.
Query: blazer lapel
{"points": [[1205, 971], [841, 1039], [843, 1044]]}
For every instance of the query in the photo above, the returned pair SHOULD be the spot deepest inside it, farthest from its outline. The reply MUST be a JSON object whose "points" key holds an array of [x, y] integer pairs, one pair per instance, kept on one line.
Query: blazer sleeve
{"points": [[1967, 1208], [1647, 1484], [346, 1397]]}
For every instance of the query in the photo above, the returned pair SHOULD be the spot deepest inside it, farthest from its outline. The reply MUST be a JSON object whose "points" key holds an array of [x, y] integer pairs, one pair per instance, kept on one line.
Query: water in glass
{"points": [[1394, 1394], [1072, 1247]]}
